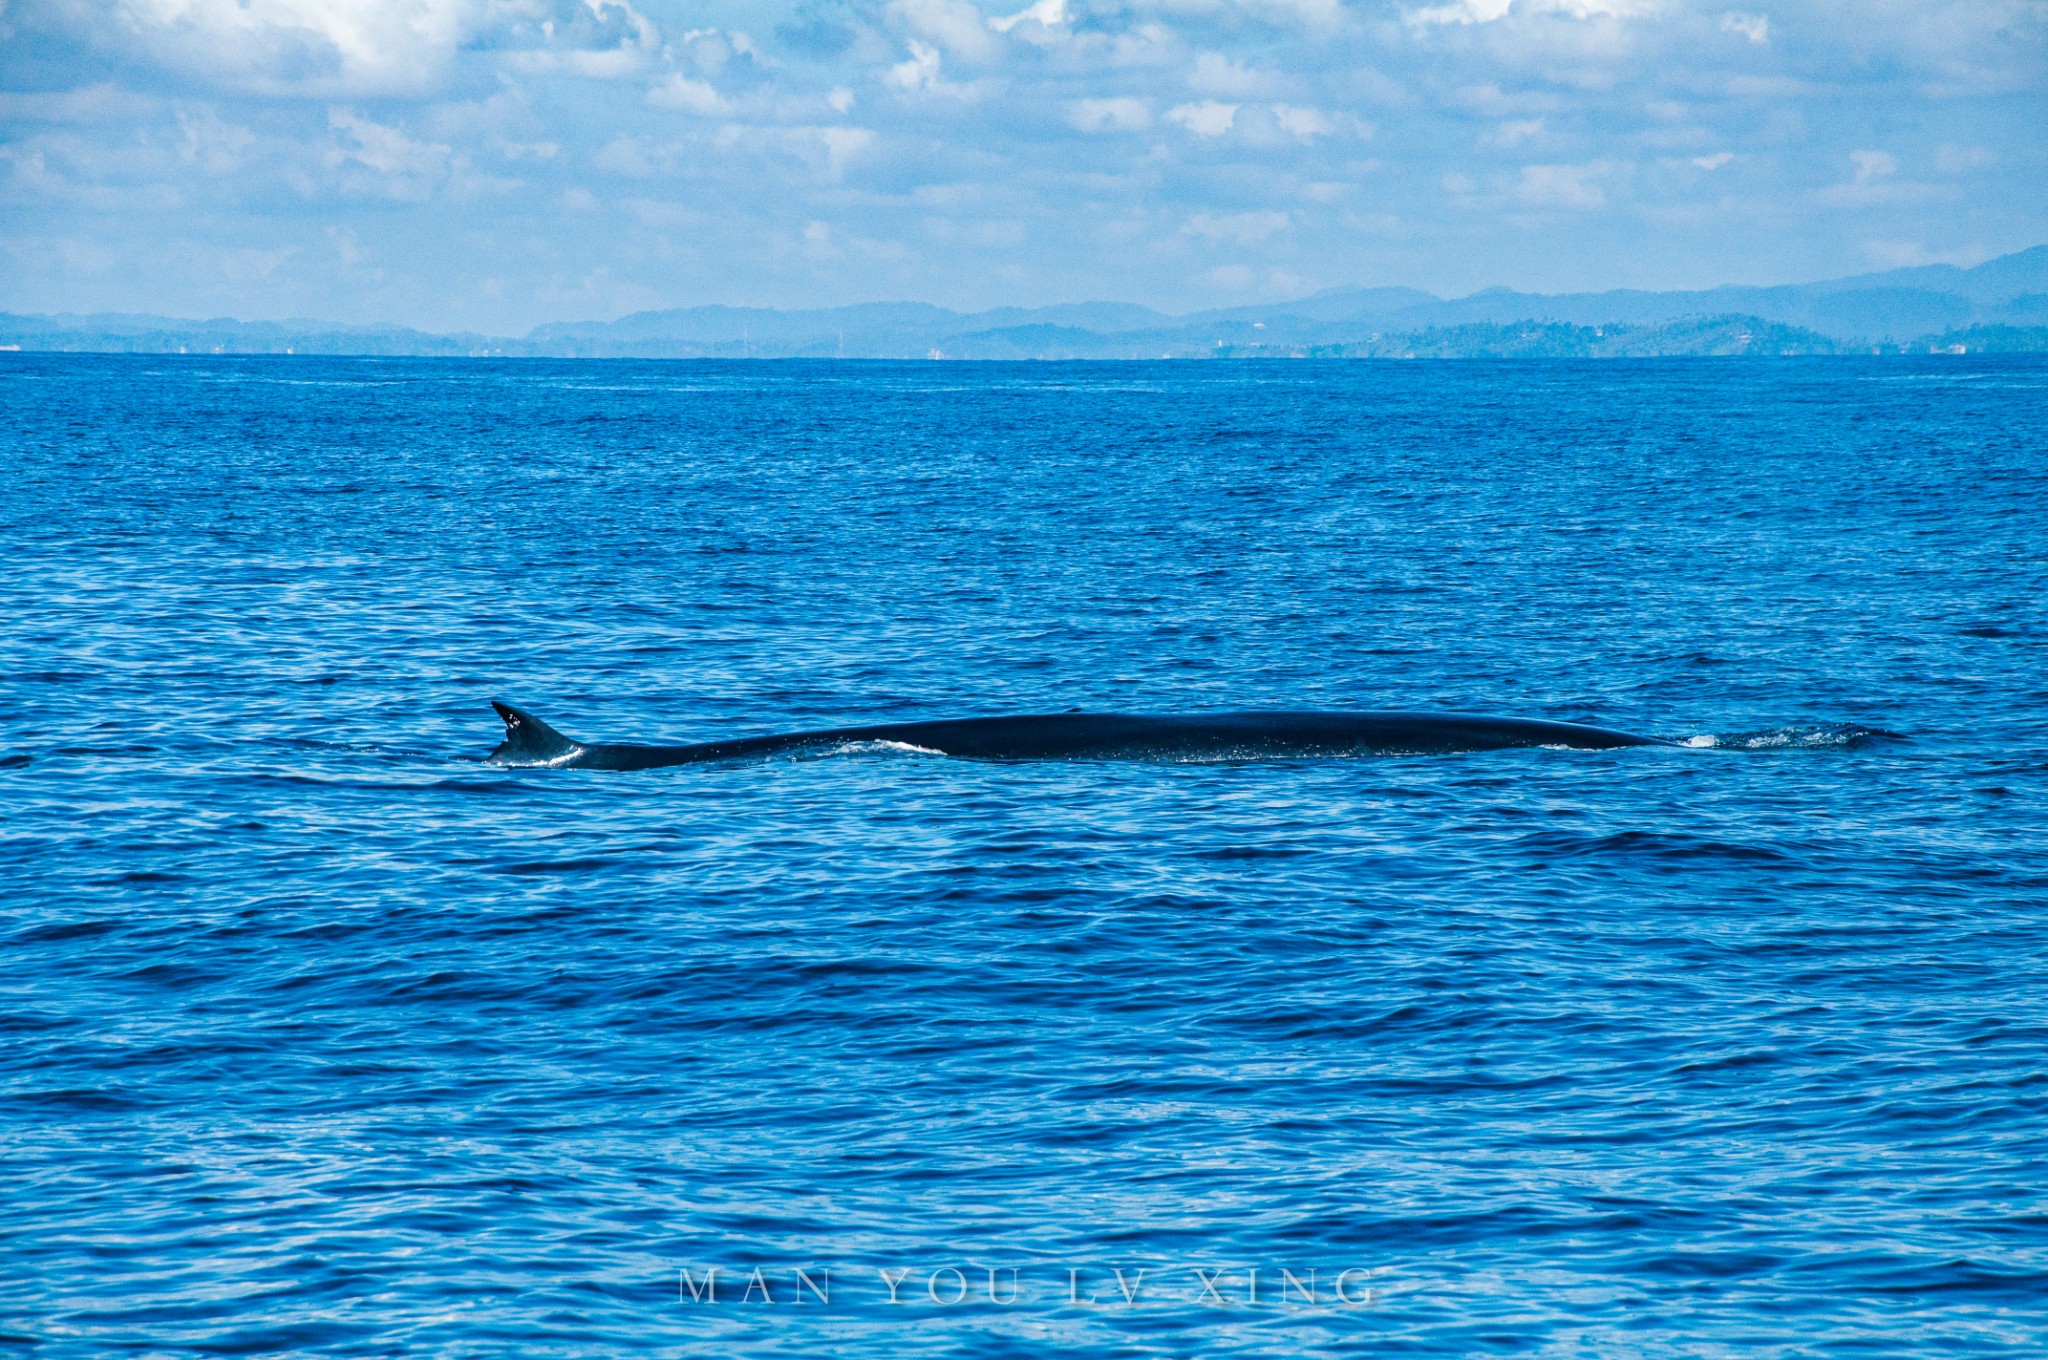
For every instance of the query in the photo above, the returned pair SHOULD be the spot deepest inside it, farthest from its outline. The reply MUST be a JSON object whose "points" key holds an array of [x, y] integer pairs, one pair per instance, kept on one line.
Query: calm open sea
{"points": [[321, 1038]]}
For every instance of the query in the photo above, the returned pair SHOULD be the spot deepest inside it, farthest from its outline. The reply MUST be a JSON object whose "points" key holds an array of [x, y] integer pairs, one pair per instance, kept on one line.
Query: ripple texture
{"points": [[322, 1038]]}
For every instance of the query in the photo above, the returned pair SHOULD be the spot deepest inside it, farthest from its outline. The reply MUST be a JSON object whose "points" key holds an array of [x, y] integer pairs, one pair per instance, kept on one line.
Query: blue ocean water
{"points": [[322, 1038]]}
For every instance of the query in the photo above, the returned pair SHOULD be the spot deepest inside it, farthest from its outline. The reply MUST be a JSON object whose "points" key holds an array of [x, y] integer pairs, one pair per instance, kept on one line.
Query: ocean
{"points": [[322, 1037]]}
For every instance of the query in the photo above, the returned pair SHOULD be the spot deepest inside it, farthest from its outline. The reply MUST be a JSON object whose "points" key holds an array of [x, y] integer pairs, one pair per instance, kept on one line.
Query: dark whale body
{"points": [[1090, 736]]}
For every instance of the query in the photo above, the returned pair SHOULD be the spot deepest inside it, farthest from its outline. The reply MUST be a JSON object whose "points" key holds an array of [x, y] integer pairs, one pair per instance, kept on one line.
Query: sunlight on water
{"points": [[323, 1037]]}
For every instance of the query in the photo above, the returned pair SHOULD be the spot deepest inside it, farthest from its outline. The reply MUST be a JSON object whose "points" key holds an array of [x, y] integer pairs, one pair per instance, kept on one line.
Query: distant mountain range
{"points": [[1999, 306]]}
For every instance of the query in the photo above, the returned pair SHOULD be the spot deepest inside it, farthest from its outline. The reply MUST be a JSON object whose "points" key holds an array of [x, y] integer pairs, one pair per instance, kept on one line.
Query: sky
{"points": [[495, 164]]}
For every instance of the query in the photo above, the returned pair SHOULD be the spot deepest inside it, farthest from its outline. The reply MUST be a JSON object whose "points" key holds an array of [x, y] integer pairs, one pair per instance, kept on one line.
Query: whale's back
{"points": [[1093, 736]]}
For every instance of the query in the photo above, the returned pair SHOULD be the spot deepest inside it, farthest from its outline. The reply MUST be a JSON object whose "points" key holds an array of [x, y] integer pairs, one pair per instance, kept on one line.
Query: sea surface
{"points": [[320, 1037]]}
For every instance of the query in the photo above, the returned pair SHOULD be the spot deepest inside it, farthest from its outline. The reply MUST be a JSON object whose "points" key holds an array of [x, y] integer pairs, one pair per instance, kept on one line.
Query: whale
{"points": [[531, 743]]}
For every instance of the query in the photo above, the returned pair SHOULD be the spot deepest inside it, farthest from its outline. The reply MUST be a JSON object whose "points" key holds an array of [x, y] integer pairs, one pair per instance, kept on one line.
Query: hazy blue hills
{"points": [[1998, 306], [114, 333]]}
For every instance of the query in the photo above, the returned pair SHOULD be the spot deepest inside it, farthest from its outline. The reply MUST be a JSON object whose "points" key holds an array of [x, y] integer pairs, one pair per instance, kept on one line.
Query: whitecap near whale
{"points": [[531, 743]]}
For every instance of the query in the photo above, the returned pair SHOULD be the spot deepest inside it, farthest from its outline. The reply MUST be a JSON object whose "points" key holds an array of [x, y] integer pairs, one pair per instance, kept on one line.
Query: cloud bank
{"points": [[492, 164]]}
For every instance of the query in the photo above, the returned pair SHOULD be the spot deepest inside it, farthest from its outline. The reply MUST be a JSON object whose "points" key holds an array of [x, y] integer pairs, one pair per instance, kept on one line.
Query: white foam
{"points": [[853, 748]]}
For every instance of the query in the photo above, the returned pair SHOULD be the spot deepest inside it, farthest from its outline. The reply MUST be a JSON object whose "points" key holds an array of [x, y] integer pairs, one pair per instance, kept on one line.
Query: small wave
{"points": [[555, 866], [1646, 847], [1811, 737], [869, 748]]}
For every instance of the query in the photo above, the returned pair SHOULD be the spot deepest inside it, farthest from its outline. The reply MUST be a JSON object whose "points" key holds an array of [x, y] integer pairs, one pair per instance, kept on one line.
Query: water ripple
{"points": [[325, 1039]]}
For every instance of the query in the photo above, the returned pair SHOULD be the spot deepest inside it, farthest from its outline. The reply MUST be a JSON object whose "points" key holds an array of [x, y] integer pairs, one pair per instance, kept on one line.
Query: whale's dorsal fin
{"points": [[528, 740]]}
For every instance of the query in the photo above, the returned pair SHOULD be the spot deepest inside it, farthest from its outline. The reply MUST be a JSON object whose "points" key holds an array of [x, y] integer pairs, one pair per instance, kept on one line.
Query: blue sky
{"points": [[493, 164]]}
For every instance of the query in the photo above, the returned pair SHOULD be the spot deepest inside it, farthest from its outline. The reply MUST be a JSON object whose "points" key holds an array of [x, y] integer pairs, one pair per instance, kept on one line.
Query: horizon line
{"points": [[1334, 291]]}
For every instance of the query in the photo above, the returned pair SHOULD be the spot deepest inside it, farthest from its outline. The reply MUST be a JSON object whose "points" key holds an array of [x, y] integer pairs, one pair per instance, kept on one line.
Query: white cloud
{"points": [[329, 48], [1311, 14], [1215, 73], [1303, 124], [613, 41], [1243, 228], [1466, 12], [254, 266], [1599, 9], [1514, 132], [387, 150], [1498, 119], [1206, 119], [919, 71], [1755, 27], [407, 169], [1490, 101], [922, 68], [320, 46], [1561, 186], [953, 25], [1045, 13], [348, 248], [818, 242], [1461, 12], [841, 145], [212, 145], [691, 96], [710, 50], [1109, 115], [1143, 45]]}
